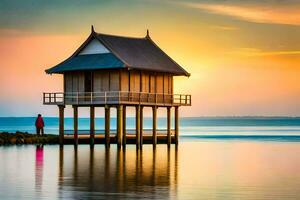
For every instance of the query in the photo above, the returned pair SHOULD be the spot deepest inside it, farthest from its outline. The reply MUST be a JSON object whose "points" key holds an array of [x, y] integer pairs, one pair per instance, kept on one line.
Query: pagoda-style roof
{"points": [[120, 52]]}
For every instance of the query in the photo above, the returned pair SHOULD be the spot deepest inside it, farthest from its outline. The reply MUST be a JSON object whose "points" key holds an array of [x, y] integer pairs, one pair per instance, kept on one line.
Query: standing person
{"points": [[39, 124]]}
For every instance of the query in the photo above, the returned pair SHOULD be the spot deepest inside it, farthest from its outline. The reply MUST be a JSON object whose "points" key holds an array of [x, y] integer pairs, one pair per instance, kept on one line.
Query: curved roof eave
{"points": [[177, 69]]}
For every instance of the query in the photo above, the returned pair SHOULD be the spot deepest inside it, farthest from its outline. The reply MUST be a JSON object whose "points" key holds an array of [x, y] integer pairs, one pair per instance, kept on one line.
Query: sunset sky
{"points": [[243, 55]]}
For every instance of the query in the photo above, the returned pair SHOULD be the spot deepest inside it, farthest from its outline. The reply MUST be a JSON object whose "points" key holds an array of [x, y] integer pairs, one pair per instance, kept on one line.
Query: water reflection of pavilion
{"points": [[117, 173]]}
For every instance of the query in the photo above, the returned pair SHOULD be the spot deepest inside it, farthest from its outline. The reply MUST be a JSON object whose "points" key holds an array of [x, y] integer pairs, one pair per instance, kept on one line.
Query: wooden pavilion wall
{"points": [[120, 80]]}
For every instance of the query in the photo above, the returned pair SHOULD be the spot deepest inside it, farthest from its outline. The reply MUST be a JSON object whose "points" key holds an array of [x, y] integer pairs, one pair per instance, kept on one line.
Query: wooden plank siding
{"points": [[166, 84], [170, 84], [159, 87], [114, 81], [97, 82], [145, 82], [120, 80], [101, 81], [152, 83], [80, 84], [74, 83], [68, 83], [134, 84], [124, 80], [159, 84]]}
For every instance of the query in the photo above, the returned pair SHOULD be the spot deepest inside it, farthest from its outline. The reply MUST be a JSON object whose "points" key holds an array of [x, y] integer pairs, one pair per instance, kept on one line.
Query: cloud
{"points": [[271, 14], [253, 52], [224, 28]]}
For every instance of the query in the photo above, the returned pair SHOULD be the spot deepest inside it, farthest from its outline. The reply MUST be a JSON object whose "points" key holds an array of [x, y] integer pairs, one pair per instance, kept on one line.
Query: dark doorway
{"points": [[88, 86], [88, 82]]}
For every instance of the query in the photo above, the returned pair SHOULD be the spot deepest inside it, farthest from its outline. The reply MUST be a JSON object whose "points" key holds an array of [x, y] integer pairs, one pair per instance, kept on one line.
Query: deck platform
{"points": [[116, 98], [130, 139]]}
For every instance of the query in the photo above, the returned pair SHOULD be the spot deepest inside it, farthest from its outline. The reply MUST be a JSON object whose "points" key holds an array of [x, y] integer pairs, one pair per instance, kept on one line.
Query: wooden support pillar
{"points": [[124, 126], [154, 123], [119, 125], [137, 125], [141, 126], [92, 126], [169, 126], [107, 126], [75, 118], [176, 117], [61, 124]]}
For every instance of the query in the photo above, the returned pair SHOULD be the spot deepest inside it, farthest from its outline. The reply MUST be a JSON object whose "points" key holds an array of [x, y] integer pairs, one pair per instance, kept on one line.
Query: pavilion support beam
{"points": [[141, 126], [124, 126], [107, 126], [92, 126], [75, 123], [176, 117], [137, 125], [169, 126], [154, 124], [61, 124], [119, 125]]}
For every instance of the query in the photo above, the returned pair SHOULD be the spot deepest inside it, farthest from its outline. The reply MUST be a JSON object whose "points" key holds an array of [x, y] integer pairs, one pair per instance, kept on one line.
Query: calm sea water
{"points": [[201, 169], [197, 126], [217, 158]]}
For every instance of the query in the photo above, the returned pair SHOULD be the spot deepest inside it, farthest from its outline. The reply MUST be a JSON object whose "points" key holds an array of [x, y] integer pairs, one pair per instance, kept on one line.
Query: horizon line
{"points": [[215, 116]]}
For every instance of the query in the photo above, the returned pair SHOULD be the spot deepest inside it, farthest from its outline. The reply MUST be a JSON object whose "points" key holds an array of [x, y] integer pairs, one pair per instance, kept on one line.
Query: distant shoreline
{"points": [[202, 117], [188, 126]]}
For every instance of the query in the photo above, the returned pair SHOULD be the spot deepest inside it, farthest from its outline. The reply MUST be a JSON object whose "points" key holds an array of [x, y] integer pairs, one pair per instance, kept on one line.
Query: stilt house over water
{"points": [[115, 71]]}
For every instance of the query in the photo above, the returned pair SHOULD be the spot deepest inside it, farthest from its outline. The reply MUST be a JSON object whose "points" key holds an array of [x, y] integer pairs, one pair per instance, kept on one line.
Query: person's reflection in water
{"points": [[115, 173], [39, 162]]}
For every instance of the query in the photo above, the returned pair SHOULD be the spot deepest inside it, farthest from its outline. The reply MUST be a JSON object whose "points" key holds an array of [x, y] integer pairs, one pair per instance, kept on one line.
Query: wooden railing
{"points": [[115, 97]]}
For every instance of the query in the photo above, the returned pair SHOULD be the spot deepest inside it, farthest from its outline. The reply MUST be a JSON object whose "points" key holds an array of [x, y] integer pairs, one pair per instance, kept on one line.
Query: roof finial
{"points": [[148, 33], [92, 29]]}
